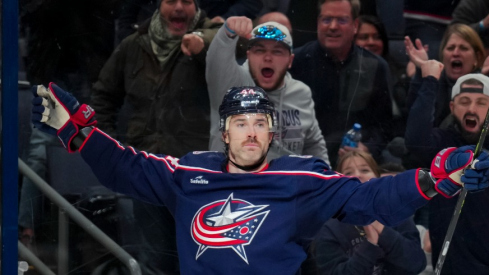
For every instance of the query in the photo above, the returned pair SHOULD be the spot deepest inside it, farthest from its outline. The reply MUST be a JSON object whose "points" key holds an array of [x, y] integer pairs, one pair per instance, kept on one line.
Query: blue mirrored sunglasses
{"points": [[270, 32]]}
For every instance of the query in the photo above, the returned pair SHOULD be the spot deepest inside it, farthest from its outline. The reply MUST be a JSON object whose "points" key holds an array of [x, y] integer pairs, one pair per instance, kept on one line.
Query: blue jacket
{"points": [[248, 223]]}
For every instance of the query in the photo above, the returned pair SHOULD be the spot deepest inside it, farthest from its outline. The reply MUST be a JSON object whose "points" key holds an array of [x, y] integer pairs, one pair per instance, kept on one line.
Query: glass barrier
{"points": [[126, 60]]}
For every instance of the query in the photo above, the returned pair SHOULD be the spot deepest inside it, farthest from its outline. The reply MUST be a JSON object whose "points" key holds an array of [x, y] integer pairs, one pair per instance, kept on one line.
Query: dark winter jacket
{"points": [[471, 12], [167, 108], [470, 244], [354, 90], [342, 248], [423, 138], [443, 95]]}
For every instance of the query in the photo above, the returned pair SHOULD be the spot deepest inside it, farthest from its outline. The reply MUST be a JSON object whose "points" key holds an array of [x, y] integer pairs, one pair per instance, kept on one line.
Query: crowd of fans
{"points": [[155, 73]]}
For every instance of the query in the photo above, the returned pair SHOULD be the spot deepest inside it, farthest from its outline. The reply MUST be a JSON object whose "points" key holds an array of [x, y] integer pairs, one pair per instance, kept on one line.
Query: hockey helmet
{"points": [[246, 100]]}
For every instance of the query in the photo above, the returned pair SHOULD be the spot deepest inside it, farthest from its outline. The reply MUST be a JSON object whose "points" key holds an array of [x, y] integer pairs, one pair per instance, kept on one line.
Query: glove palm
{"points": [[57, 112]]}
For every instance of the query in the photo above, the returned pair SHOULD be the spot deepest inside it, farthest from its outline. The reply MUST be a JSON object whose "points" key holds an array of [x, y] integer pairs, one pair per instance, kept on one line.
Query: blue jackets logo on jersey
{"points": [[230, 223]]}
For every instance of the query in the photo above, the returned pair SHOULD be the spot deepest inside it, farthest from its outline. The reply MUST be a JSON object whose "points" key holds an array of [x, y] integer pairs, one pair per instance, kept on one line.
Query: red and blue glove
{"points": [[477, 177], [454, 168], [57, 112]]}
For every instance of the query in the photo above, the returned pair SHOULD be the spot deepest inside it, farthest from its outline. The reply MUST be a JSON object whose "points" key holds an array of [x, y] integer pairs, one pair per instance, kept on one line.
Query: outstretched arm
{"points": [[197, 42], [390, 200], [57, 112], [121, 169]]}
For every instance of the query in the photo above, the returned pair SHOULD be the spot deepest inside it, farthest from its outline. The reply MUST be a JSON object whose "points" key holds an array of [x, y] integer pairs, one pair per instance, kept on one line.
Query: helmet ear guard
{"points": [[246, 100]]}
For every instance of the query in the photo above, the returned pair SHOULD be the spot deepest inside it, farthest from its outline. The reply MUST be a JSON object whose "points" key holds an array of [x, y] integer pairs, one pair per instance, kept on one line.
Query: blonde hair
{"points": [[366, 156], [468, 34]]}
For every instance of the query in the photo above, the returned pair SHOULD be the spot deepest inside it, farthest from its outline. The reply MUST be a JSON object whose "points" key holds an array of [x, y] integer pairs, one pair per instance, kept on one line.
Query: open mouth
{"points": [[178, 22], [267, 72], [470, 123], [457, 65]]}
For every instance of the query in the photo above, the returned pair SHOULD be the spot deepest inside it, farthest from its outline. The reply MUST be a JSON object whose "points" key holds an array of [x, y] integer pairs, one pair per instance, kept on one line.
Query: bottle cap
{"points": [[22, 266], [357, 126]]}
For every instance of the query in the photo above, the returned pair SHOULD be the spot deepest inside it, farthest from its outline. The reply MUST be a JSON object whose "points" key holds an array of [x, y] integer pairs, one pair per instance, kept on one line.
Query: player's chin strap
{"points": [[252, 167], [247, 168], [427, 183]]}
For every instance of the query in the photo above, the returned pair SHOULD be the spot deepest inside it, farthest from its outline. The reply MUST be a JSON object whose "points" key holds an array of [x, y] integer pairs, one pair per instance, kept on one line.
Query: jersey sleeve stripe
{"points": [[302, 173], [133, 150], [197, 169]]}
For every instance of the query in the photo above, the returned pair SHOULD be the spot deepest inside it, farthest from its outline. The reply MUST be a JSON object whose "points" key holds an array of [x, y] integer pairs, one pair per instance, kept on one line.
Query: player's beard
{"points": [[276, 85], [469, 137]]}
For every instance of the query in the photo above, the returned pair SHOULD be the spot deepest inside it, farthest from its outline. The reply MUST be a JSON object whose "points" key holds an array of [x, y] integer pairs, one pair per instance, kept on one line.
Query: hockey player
{"points": [[236, 213]]}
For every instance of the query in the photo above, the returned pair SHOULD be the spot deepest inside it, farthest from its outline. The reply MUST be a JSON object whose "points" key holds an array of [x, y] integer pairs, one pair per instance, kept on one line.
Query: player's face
{"points": [[469, 109], [248, 137], [178, 14], [268, 63], [459, 57], [369, 38], [357, 167], [336, 27]]}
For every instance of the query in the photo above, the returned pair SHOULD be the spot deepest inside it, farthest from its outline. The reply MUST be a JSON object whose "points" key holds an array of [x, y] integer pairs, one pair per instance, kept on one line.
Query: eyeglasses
{"points": [[341, 20]]}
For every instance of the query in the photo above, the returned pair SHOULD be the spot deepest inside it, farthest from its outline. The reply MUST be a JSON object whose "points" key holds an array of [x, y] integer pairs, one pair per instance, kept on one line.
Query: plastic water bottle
{"points": [[353, 136], [22, 267]]}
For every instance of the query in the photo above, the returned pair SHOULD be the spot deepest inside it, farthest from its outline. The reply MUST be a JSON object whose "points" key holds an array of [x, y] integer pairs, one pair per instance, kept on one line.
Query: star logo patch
{"points": [[230, 223]]}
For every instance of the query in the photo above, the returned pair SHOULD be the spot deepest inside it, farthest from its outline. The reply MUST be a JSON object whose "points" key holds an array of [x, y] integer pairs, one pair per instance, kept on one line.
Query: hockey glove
{"points": [[447, 169], [476, 176], [57, 112]]}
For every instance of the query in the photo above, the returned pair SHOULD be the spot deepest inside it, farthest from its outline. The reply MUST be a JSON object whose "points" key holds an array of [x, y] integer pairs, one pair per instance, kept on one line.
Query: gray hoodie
{"points": [[297, 133]]}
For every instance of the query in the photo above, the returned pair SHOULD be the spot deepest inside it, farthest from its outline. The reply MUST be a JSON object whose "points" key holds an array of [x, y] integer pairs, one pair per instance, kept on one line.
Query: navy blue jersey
{"points": [[255, 223]]}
